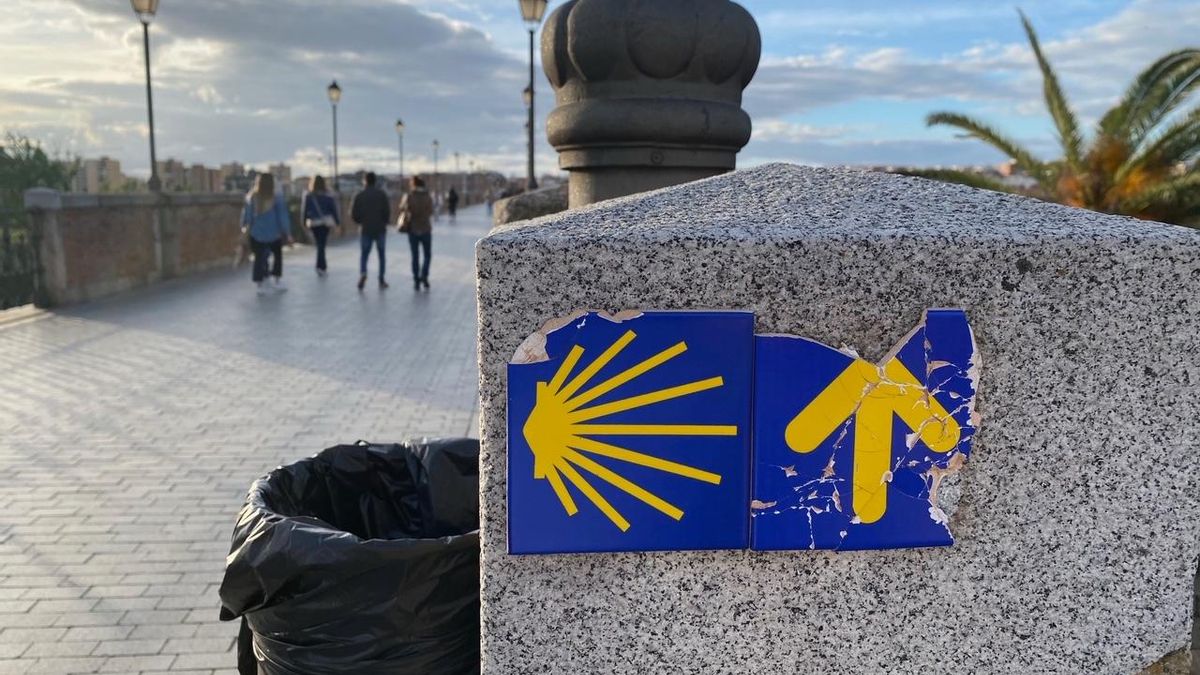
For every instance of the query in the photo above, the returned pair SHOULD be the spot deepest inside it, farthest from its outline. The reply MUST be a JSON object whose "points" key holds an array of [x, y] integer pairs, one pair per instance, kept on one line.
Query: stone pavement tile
{"points": [[30, 635], [65, 666], [116, 591], [129, 647], [34, 620], [62, 648], [16, 666], [99, 633], [134, 664], [15, 606], [93, 618], [197, 645], [54, 593], [209, 660], [170, 630], [12, 650], [140, 617], [62, 606]]}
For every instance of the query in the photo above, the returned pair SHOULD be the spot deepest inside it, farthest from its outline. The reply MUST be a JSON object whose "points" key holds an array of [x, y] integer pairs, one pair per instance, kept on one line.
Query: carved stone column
{"points": [[649, 92]]}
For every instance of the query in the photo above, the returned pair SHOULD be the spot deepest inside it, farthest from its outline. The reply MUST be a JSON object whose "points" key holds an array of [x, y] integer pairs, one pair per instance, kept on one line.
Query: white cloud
{"points": [[998, 81], [245, 80]]}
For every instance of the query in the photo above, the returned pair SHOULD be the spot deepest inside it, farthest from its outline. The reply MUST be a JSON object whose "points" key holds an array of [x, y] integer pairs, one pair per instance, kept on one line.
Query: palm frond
{"points": [[1011, 149], [1115, 120], [1178, 143], [1156, 93], [1175, 201], [1056, 102], [967, 178]]}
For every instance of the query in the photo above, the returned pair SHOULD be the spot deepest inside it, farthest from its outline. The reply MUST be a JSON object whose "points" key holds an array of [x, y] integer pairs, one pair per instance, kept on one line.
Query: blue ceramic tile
{"points": [[634, 435], [847, 453]]}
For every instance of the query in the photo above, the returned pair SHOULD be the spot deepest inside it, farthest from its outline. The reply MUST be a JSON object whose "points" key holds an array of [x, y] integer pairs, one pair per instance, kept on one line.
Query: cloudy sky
{"points": [[841, 81]]}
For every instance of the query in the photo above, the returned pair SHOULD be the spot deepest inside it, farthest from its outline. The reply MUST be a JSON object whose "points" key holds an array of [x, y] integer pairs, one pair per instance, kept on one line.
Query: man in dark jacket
{"points": [[372, 211]]}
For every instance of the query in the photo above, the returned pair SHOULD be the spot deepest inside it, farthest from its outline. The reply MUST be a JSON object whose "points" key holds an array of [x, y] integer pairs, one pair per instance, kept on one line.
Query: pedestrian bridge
{"points": [[131, 427]]}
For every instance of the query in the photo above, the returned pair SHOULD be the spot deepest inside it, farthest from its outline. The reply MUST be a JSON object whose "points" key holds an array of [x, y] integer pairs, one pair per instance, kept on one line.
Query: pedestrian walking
{"points": [[266, 223], [416, 211], [372, 212], [320, 213], [452, 203]]}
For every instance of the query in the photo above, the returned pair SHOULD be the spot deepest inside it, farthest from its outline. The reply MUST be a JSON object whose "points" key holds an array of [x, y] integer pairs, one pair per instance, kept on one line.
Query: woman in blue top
{"points": [[320, 214], [265, 219]]}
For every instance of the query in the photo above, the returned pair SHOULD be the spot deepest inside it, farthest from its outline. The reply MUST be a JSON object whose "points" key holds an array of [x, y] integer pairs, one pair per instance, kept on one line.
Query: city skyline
{"points": [[240, 81]]}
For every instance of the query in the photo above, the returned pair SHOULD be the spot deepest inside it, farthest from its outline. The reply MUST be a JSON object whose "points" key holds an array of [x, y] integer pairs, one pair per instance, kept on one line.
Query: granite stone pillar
{"points": [[649, 91], [1077, 518]]}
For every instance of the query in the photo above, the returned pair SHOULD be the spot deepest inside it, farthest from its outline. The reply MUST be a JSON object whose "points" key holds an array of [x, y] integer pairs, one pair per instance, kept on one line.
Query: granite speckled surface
{"points": [[1077, 518]]}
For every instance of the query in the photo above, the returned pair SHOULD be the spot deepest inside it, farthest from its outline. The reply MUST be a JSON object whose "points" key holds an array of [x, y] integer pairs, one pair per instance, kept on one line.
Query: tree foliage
{"points": [[25, 164], [1142, 160]]}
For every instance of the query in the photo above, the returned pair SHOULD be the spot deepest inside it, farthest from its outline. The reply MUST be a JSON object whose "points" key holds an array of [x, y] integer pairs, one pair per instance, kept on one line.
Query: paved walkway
{"points": [[130, 429]]}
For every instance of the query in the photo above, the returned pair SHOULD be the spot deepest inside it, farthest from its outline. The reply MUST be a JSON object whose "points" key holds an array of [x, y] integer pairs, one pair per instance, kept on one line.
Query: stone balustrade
{"points": [[92, 246]]}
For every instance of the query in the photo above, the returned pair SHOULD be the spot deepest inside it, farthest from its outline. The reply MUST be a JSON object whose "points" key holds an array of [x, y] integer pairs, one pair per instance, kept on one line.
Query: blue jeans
{"points": [[320, 235], [379, 241], [417, 242], [263, 250]]}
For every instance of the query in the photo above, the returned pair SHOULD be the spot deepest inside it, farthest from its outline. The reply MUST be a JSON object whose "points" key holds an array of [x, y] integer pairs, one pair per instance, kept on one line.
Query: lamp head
{"points": [[400, 127], [532, 11], [335, 93], [145, 9]]}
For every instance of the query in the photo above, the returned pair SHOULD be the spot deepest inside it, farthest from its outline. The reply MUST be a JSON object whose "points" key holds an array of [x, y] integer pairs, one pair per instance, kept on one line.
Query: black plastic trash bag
{"points": [[361, 559]]}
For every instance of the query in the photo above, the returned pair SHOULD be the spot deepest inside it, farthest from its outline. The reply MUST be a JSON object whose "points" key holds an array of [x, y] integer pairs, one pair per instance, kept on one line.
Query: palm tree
{"points": [[1143, 159]]}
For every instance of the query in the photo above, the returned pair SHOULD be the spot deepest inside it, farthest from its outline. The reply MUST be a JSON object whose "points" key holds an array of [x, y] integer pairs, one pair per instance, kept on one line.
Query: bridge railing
{"points": [[19, 270]]}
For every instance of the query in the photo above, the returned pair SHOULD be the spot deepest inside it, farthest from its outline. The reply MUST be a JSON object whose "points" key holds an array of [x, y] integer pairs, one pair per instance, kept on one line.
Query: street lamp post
{"points": [[145, 10], [458, 172], [400, 139], [335, 95], [437, 183], [531, 11]]}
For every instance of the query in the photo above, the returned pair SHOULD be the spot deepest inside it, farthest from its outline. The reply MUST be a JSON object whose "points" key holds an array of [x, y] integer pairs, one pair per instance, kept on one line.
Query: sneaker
{"points": [[279, 286], [383, 284], [426, 282], [362, 281], [260, 288], [416, 284]]}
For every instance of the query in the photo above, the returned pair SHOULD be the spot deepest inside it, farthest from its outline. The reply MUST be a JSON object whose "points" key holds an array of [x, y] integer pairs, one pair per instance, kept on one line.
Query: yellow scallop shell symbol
{"points": [[560, 430]]}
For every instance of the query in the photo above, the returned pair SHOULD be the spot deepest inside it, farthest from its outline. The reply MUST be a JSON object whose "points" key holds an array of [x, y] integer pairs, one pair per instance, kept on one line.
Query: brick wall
{"points": [[108, 248], [97, 245], [208, 235]]}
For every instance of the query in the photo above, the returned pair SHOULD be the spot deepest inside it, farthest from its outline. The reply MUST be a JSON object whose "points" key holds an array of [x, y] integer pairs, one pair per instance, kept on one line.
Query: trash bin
{"points": [[361, 559]]}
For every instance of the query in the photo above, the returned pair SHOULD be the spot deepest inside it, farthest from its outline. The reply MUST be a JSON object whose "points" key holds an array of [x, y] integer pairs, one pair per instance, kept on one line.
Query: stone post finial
{"points": [[649, 92]]}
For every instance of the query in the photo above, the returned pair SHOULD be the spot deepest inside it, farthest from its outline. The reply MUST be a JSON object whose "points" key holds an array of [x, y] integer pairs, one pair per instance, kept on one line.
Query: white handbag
{"points": [[323, 219]]}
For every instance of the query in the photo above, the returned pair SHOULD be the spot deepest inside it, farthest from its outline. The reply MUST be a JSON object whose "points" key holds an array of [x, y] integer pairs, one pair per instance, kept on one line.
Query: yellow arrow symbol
{"points": [[871, 394]]}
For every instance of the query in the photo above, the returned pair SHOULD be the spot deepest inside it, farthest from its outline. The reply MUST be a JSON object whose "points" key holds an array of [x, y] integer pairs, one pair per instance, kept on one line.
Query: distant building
{"points": [[99, 175], [173, 175], [283, 177], [234, 178]]}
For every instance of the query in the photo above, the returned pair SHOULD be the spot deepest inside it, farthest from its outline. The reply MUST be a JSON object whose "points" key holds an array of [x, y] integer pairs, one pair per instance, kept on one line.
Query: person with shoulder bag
{"points": [[266, 221], [416, 213], [320, 213]]}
